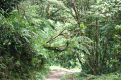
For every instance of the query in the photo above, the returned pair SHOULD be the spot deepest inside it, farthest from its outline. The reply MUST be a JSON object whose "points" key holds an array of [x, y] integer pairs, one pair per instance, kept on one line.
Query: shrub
{"points": [[18, 59], [6, 6]]}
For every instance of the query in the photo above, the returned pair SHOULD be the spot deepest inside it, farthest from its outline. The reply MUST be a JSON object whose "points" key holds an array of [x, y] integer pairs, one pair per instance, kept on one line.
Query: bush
{"points": [[6, 6], [18, 59]]}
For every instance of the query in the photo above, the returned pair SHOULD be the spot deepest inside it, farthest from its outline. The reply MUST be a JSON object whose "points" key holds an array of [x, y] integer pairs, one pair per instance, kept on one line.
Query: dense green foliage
{"points": [[70, 33], [18, 57], [111, 76], [90, 34], [6, 6]]}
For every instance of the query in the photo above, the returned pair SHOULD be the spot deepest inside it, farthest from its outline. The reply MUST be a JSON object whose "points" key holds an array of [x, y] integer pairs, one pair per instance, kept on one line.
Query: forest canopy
{"points": [[37, 34]]}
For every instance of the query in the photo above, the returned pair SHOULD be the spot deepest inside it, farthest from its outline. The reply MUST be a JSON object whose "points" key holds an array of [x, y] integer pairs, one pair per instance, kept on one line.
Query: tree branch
{"points": [[55, 36]]}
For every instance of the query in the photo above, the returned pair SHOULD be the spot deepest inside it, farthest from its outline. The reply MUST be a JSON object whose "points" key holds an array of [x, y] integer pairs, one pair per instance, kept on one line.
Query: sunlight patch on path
{"points": [[57, 72]]}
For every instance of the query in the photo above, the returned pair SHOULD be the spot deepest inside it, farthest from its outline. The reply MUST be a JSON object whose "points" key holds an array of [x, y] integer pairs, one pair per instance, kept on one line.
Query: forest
{"points": [[60, 39]]}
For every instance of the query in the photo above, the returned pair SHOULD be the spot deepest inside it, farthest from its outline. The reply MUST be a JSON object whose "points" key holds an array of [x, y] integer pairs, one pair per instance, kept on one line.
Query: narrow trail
{"points": [[57, 73]]}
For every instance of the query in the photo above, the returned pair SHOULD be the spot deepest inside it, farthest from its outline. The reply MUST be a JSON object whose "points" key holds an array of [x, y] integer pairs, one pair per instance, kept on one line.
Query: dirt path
{"points": [[57, 73]]}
